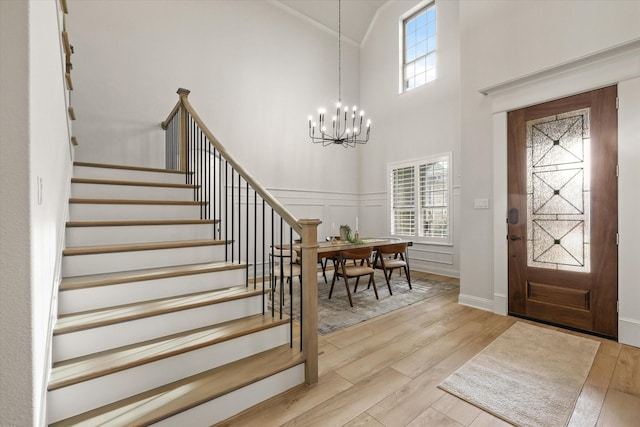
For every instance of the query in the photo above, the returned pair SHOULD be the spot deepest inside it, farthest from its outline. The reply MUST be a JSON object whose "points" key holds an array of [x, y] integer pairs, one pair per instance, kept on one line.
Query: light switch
{"points": [[40, 185], [481, 204]]}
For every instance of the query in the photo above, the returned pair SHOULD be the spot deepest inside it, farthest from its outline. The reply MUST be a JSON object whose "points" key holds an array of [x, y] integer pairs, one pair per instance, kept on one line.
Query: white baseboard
{"points": [[433, 269], [500, 304], [629, 331], [476, 302]]}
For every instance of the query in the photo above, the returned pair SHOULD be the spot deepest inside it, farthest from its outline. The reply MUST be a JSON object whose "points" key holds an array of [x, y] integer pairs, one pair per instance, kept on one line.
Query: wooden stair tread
{"points": [[168, 400], [130, 183], [73, 322], [105, 279], [73, 371], [125, 167], [76, 200], [185, 393], [141, 222], [131, 247]]}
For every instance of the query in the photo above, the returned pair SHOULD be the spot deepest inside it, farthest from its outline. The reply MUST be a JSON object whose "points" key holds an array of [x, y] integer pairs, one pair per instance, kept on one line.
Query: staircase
{"points": [[154, 326]]}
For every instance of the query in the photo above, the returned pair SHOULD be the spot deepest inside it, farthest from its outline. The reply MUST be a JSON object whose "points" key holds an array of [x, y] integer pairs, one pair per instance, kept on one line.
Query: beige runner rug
{"points": [[529, 376]]}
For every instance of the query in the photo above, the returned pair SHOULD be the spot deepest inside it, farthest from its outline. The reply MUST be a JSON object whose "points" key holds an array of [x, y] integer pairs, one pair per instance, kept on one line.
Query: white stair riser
{"points": [[127, 175], [80, 265], [115, 235], [74, 344], [107, 191], [81, 397], [228, 405], [123, 212], [77, 300]]}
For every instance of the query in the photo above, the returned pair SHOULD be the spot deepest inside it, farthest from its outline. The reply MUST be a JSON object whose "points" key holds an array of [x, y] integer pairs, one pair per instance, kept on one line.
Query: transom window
{"points": [[420, 199], [419, 48]]}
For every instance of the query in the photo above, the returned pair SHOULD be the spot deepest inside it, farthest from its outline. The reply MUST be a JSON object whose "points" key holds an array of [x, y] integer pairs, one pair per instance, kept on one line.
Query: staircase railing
{"points": [[252, 222]]}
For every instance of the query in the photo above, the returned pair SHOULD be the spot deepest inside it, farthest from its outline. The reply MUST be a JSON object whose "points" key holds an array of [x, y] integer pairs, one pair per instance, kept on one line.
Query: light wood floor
{"points": [[385, 372]]}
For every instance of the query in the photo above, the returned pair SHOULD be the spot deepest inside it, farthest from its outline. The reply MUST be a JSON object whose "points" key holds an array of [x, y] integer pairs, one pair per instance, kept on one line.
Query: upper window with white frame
{"points": [[420, 197], [419, 40]]}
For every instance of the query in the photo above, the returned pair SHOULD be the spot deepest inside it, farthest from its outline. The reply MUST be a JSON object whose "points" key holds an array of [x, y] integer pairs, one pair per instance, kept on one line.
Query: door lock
{"points": [[513, 216]]}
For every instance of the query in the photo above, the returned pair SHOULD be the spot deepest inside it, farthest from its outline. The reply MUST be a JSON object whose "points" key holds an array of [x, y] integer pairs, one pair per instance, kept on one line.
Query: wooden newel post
{"points": [[184, 128], [309, 248]]}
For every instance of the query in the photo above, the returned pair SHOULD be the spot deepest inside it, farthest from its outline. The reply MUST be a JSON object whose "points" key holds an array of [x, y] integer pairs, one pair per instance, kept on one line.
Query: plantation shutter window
{"points": [[420, 196], [403, 206]]}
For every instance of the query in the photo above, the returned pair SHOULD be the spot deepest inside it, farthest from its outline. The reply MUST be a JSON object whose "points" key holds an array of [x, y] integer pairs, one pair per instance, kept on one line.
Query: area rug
{"points": [[336, 313], [528, 376]]}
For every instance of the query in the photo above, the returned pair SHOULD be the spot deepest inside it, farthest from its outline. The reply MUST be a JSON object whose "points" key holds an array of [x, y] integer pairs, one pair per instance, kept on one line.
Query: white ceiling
{"points": [[356, 14]]}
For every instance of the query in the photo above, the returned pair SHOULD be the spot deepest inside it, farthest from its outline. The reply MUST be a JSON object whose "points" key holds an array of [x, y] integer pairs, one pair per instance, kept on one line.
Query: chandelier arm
{"points": [[323, 141]]}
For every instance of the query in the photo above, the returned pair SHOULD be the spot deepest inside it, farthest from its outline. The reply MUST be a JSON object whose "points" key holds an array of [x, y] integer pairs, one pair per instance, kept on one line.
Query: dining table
{"points": [[329, 249]]}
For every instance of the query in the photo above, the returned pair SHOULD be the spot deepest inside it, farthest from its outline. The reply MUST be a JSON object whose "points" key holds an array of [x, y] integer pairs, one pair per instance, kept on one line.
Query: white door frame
{"points": [[605, 68]]}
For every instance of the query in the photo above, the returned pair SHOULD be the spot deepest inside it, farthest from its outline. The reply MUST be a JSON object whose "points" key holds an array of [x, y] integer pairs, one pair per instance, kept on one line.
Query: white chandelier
{"points": [[347, 124]]}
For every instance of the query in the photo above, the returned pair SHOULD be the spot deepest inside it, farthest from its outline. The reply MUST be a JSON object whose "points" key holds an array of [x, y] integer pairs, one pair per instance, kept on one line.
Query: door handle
{"points": [[512, 237]]}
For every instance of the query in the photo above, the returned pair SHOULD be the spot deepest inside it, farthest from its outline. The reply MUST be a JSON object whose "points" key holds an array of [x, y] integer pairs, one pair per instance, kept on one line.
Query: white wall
{"points": [[502, 41], [255, 71], [16, 365], [411, 125], [50, 154], [36, 153]]}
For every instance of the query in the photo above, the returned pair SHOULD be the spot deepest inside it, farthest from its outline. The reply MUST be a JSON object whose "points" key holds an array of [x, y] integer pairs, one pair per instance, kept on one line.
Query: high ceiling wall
{"points": [[255, 71], [420, 123]]}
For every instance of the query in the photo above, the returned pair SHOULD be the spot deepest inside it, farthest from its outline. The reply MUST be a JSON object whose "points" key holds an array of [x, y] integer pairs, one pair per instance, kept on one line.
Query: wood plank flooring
{"points": [[385, 372]]}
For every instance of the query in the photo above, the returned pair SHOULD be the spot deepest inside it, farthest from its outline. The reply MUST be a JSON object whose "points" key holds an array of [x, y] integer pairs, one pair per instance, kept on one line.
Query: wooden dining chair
{"points": [[283, 265], [361, 267], [324, 261], [391, 257]]}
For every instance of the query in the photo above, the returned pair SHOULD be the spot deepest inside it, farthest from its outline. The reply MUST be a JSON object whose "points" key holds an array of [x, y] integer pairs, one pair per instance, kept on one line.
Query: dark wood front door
{"points": [[563, 212]]}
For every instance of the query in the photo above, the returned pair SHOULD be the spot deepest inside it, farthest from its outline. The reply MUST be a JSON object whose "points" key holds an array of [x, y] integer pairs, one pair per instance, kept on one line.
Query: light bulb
{"points": [[346, 109], [334, 118], [324, 128], [338, 105], [354, 108], [320, 110], [310, 118], [361, 113], [355, 130], [347, 131], [314, 124], [368, 123]]}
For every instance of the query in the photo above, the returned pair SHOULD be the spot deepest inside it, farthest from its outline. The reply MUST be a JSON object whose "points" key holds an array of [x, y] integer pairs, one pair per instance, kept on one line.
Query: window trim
{"points": [[448, 156], [423, 5]]}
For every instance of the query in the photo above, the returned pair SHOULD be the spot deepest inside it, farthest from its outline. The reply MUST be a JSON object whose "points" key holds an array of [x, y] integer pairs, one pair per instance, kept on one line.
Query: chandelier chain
{"points": [[339, 51]]}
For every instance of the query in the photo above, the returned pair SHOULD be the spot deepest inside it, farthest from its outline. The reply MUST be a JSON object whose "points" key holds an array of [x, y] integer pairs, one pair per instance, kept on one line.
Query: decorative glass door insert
{"points": [[563, 211], [558, 191]]}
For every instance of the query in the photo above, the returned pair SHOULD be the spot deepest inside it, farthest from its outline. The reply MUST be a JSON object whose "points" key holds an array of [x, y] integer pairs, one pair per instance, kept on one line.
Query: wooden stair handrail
{"points": [[275, 204], [307, 229]]}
